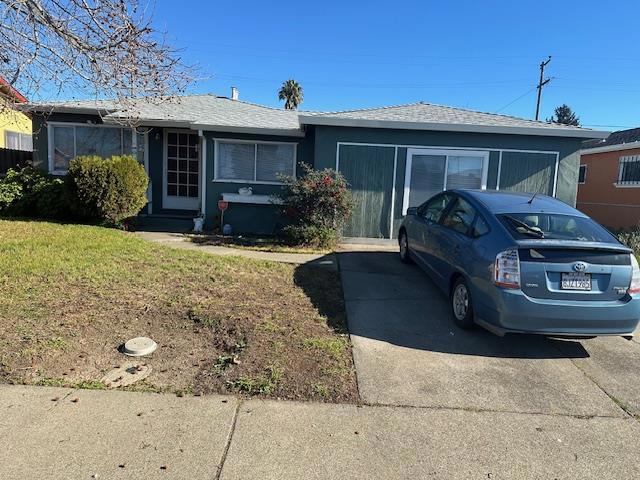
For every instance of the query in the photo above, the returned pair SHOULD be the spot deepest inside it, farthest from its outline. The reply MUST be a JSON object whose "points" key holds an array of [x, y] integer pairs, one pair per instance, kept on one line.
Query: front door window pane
{"points": [[182, 165]]}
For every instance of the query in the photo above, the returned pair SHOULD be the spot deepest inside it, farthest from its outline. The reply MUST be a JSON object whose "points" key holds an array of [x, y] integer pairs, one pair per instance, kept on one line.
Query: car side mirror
{"points": [[412, 211]]}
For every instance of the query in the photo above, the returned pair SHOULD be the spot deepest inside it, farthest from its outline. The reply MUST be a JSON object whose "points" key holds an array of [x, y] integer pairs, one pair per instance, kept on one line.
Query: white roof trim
{"points": [[452, 127], [610, 148]]}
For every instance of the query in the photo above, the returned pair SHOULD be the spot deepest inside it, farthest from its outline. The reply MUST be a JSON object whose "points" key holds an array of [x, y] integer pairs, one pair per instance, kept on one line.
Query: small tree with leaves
{"points": [[291, 93], [564, 115], [316, 205]]}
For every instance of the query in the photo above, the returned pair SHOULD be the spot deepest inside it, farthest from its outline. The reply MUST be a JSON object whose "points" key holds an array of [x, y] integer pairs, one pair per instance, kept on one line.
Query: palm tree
{"points": [[291, 93]]}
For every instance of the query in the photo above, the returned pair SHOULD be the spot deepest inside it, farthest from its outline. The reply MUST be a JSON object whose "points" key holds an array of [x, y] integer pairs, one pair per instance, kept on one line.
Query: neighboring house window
{"points": [[582, 174], [255, 162], [629, 171], [18, 141], [69, 141]]}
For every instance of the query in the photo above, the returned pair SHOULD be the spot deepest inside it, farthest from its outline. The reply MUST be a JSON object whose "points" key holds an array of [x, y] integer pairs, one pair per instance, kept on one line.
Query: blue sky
{"points": [[482, 55]]}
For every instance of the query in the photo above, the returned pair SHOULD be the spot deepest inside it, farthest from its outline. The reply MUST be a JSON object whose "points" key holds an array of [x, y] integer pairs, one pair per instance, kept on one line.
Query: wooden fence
{"points": [[13, 158]]}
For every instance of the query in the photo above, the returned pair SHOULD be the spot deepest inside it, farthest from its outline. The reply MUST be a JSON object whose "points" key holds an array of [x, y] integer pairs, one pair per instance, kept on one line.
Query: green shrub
{"points": [[30, 192], [317, 205], [109, 190], [631, 239]]}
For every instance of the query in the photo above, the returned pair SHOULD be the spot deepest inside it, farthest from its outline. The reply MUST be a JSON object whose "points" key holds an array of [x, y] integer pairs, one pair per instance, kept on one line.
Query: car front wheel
{"points": [[461, 306], [404, 248]]}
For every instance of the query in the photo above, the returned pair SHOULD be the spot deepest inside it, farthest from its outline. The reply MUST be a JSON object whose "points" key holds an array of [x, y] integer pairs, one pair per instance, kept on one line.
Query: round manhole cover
{"points": [[139, 346]]}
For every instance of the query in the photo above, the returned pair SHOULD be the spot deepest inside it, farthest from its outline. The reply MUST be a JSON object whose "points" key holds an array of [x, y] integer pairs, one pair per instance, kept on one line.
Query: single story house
{"points": [[609, 179], [202, 148]]}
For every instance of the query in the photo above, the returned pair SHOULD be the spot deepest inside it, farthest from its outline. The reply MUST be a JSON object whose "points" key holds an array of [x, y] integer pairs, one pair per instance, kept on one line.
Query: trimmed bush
{"points": [[110, 190], [631, 239], [30, 192], [317, 205]]}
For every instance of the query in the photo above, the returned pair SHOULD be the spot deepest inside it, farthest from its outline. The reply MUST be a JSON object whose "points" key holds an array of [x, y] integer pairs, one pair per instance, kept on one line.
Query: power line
{"points": [[516, 99]]}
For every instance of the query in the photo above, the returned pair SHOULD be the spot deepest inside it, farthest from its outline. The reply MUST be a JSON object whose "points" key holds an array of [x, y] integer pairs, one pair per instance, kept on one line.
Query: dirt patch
{"points": [[71, 295], [252, 242]]}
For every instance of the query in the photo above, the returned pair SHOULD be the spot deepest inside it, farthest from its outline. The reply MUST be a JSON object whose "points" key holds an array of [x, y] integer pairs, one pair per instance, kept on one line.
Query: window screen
{"points": [[464, 172], [12, 140], [70, 141], [262, 162], [273, 161]]}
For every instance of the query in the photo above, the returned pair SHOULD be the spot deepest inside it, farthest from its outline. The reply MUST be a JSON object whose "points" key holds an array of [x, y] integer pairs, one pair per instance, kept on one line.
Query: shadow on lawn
{"points": [[395, 303], [324, 289]]}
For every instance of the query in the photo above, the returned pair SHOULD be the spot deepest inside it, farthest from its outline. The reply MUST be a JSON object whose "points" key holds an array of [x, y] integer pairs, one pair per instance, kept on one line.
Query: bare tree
{"points": [[99, 48]]}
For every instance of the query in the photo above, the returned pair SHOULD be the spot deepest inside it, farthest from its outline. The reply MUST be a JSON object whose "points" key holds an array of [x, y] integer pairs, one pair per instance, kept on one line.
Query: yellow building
{"points": [[15, 126]]}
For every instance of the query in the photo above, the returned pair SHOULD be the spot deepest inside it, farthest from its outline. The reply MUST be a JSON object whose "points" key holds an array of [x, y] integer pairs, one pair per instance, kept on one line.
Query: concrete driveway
{"points": [[408, 352]]}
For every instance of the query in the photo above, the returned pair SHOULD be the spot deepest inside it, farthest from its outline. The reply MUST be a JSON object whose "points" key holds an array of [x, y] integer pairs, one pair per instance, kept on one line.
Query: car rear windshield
{"points": [[555, 226]]}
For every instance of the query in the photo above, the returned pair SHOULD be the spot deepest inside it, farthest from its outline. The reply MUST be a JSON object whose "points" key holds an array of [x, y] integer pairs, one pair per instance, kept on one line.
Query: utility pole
{"points": [[541, 84]]}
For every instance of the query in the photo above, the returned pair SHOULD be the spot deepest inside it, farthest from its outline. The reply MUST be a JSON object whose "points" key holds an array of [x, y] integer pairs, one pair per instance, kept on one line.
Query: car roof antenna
{"points": [[531, 199]]}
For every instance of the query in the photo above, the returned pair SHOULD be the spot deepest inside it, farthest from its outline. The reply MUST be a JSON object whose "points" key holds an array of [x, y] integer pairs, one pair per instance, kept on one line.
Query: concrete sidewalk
{"points": [[52, 433], [178, 240]]}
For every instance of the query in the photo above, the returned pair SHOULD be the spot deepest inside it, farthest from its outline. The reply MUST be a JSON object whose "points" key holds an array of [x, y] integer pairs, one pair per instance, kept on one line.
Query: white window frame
{"points": [[621, 161], [484, 154], [216, 163], [585, 174], [50, 145]]}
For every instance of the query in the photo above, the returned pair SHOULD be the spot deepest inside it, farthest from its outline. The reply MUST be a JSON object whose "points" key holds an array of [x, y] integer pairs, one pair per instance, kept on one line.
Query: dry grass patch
{"points": [[71, 294]]}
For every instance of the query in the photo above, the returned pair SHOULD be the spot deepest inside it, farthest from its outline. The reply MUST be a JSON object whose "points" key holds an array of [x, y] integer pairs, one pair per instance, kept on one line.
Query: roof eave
{"points": [[452, 127], [610, 148], [48, 109], [281, 132]]}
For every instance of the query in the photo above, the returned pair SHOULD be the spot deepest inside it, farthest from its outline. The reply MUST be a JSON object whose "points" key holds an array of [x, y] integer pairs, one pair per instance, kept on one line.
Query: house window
{"points": [[18, 141], [69, 141], [629, 171], [254, 162], [582, 174]]}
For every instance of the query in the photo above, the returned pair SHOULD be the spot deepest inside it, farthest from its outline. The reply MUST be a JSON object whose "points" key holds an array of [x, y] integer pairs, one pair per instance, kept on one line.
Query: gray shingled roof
{"points": [[196, 111], [221, 113], [616, 138], [428, 113]]}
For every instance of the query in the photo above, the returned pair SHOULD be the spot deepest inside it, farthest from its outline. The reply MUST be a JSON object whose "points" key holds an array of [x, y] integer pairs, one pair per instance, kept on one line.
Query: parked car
{"points": [[522, 263]]}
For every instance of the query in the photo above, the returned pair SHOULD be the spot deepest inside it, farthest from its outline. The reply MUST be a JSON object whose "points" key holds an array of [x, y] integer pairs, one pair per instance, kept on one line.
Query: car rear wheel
{"points": [[404, 248], [461, 306]]}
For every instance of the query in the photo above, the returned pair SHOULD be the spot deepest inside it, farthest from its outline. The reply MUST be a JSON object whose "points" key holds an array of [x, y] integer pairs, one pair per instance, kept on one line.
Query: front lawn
{"points": [[70, 295]]}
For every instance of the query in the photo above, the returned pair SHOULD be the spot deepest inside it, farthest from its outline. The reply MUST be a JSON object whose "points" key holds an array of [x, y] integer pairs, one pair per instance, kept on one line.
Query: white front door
{"points": [[430, 171], [182, 167]]}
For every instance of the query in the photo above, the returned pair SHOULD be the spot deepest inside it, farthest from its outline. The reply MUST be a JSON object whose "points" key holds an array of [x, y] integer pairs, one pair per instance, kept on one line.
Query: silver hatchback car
{"points": [[522, 263]]}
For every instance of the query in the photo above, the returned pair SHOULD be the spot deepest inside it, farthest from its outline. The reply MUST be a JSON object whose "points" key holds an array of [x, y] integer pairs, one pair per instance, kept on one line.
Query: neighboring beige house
{"points": [[609, 179]]}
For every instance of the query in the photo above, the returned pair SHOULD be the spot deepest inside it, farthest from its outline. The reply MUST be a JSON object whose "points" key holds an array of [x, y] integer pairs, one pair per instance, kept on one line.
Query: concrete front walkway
{"points": [[178, 240], [53, 433]]}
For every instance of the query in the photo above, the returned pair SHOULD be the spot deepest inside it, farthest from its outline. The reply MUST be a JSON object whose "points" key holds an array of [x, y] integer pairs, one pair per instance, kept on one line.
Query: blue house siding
{"points": [[318, 148], [248, 218], [327, 139]]}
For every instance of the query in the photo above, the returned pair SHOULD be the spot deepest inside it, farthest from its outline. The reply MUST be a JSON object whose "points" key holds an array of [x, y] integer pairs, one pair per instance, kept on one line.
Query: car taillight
{"points": [[507, 269], [635, 276]]}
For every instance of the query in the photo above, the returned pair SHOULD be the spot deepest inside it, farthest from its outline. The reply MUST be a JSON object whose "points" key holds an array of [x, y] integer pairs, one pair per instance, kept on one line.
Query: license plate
{"points": [[575, 281]]}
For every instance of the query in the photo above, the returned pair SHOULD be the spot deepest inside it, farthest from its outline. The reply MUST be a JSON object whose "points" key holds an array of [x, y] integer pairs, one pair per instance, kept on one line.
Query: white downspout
{"points": [[203, 157]]}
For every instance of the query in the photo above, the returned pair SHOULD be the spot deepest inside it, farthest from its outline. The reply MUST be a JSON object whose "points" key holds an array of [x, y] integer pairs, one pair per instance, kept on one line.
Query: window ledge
{"points": [[251, 199], [624, 185]]}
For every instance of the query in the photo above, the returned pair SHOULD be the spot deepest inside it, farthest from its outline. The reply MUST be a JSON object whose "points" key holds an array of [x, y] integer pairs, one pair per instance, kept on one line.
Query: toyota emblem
{"points": [[579, 266]]}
